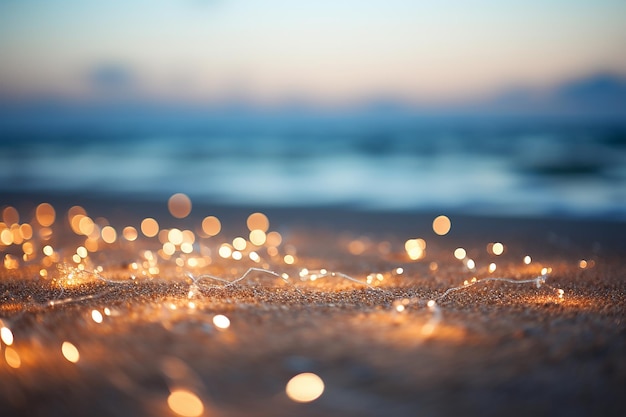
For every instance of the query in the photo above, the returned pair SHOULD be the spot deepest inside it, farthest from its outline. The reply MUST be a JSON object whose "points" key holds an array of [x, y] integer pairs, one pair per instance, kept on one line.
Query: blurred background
{"points": [[511, 108]]}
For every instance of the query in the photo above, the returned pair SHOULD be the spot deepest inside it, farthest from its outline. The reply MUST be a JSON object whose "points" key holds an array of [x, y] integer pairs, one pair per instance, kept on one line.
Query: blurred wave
{"points": [[487, 166]]}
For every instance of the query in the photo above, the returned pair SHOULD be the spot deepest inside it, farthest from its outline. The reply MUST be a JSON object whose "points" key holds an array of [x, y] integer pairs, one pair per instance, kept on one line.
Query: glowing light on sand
{"points": [[96, 316], [258, 221], [45, 214], [175, 236], [441, 225], [211, 225], [82, 252], [560, 293], [527, 260], [179, 205], [305, 387], [497, 249], [109, 235], [258, 237], [460, 254], [70, 352], [185, 403], [129, 233], [221, 321], [6, 335]]}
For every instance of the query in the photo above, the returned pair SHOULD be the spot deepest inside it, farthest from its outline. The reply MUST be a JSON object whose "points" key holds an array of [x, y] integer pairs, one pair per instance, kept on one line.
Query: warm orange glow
{"points": [[258, 221], [441, 225], [6, 237], [149, 227], [129, 233], [305, 387], [239, 243], [6, 335], [185, 403], [175, 236], [221, 322], [460, 253], [497, 248], [70, 352], [10, 216], [582, 264], [26, 231], [85, 225], [12, 357], [45, 214], [274, 239], [211, 225], [258, 237], [225, 251], [96, 316], [108, 233], [179, 205], [415, 248], [289, 259]]}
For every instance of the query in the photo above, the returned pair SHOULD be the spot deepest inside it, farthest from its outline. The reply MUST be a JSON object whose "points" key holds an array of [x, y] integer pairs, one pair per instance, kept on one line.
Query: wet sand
{"points": [[489, 348]]}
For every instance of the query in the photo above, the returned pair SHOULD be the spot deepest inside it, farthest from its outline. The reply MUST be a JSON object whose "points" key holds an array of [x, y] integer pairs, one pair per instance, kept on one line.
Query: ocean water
{"points": [[491, 167]]}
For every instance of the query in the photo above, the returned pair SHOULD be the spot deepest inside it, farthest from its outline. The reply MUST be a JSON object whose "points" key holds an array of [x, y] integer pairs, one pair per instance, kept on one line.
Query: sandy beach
{"points": [[537, 329]]}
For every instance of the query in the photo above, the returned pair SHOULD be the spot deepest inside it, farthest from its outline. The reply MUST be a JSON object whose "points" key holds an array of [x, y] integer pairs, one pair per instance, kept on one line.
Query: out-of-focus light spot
{"points": [[560, 293], [76, 258], [527, 260], [6, 335], [6, 237], [470, 264], [460, 254], [10, 215], [497, 248], [12, 357], [237, 255], [305, 387], [254, 257], [86, 225], [274, 239], [415, 248], [109, 235], [492, 267], [433, 266], [47, 250], [211, 225], [258, 237], [26, 231], [96, 316], [356, 247], [107, 311], [185, 403], [186, 247], [45, 214], [399, 271], [582, 264], [149, 227], [225, 251], [169, 249], [129, 233], [239, 243], [289, 259], [70, 352], [221, 321], [441, 225], [188, 236], [258, 221], [544, 271], [82, 252], [175, 236], [179, 205]]}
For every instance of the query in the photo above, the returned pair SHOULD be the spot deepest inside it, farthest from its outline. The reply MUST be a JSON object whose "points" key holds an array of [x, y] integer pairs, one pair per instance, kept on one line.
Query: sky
{"points": [[269, 52]]}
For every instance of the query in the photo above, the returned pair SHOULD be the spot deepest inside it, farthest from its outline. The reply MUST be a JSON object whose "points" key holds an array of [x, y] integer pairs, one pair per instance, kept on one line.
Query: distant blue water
{"points": [[489, 167]]}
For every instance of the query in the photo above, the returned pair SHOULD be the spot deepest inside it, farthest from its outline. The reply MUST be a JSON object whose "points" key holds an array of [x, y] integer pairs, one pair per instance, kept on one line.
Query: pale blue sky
{"points": [[336, 52]]}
